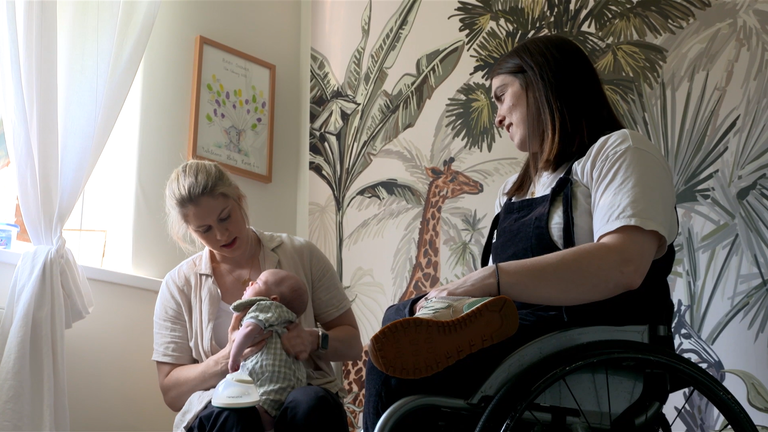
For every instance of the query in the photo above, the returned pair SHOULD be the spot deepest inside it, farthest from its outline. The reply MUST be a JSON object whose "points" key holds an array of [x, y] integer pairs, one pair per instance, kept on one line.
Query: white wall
{"points": [[269, 30], [111, 378]]}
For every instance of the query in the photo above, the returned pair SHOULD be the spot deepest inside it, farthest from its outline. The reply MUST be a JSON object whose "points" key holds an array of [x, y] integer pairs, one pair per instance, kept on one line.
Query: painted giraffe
{"points": [[354, 383], [446, 183]]}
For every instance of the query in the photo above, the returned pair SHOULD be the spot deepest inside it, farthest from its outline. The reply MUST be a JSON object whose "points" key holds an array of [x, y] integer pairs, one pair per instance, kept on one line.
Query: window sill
{"points": [[95, 273]]}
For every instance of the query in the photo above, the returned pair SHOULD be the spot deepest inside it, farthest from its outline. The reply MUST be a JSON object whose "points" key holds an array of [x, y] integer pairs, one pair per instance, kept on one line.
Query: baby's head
{"points": [[280, 286]]}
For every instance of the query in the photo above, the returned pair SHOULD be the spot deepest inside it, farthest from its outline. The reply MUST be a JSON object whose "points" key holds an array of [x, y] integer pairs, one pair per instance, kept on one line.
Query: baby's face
{"points": [[261, 287]]}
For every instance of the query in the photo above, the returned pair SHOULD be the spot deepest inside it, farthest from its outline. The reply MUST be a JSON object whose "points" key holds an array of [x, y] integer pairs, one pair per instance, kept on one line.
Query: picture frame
{"points": [[233, 100]]}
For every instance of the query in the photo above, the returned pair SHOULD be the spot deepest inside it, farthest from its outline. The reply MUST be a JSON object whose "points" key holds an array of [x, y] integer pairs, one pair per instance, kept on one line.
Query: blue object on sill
{"points": [[8, 235]]}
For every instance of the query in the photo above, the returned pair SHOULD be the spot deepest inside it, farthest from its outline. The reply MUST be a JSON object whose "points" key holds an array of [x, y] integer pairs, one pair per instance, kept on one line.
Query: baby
{"points": [[273, 301]]}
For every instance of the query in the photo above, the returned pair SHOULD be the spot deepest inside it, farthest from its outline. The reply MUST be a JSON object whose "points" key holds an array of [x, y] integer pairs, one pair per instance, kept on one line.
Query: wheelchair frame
{"points": [[577, 354]]}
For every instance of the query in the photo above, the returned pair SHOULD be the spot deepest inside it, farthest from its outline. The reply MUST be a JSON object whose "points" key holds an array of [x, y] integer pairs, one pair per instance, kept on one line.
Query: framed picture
{"points": [[233, 101]]}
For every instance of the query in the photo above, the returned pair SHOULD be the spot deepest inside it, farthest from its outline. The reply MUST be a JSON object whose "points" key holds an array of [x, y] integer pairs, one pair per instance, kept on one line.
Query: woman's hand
{"points": [[442, 291], [475, 284], [448, 290], [299, 342]]}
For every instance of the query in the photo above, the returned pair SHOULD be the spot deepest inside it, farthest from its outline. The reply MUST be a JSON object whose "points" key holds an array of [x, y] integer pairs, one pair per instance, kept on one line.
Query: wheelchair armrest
{"points": [[550, 344], [405, 405]]}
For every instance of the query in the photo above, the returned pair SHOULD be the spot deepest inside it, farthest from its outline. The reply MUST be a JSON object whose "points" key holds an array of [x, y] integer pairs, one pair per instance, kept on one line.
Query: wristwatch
{"points": [[322, 340]]}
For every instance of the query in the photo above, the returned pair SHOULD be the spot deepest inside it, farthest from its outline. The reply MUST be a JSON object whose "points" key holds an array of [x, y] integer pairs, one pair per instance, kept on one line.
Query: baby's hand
{"points": [[234, 365]]}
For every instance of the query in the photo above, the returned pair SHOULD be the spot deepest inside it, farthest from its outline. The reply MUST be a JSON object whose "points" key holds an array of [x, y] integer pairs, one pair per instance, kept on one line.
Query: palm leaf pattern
{"points": [[718, 153], [655, 58], [672, 70], [687, 141], [612, 33], [354, 68], [321, 225], [726, 33], [461, 227], [740, 201], [463, 240], [473, 107], [391, 212], [716, 158], [350, 123], [368, 300]]}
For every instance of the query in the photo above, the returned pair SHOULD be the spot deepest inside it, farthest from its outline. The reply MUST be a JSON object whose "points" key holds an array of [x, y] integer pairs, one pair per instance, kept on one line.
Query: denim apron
{"points": [[521, 230]]}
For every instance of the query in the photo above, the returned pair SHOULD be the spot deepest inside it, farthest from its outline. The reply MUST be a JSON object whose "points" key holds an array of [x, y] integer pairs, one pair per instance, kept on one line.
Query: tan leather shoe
{"points": [[445, 330]]}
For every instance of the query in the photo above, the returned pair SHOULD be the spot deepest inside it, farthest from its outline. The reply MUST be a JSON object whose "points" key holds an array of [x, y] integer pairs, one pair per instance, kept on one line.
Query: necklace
{"points": [[247, 280], [532, 189]]}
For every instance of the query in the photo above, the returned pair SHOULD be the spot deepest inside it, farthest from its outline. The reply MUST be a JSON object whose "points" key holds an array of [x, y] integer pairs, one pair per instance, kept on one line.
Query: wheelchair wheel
{"points": [[615, 386]]}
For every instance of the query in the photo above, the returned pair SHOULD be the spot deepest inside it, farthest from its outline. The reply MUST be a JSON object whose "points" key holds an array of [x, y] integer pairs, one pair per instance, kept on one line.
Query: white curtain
{"points": [[65, 71]]}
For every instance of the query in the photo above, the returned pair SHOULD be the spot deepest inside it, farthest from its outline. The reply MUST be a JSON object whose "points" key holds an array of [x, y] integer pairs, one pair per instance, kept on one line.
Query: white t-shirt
{"points": [[622, 180], [221, 324]]}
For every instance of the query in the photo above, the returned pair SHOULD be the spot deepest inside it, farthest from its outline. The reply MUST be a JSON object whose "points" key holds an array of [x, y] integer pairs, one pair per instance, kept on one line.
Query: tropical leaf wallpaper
{"points": [[406, 162]]}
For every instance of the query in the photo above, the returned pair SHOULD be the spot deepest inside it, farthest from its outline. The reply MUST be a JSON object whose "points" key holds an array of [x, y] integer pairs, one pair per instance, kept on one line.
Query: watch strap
{"points": [[322, 340]]}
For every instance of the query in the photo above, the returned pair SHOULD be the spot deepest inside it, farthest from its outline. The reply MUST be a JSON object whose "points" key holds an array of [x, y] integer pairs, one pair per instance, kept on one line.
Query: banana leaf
{"points": [[382, 189], [385, 52], [323, 85], [354, 68], [392, 115]]}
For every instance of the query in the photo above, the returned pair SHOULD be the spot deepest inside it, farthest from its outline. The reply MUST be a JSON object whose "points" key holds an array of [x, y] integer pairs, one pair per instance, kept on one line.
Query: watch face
{"points": [[323, 340]]}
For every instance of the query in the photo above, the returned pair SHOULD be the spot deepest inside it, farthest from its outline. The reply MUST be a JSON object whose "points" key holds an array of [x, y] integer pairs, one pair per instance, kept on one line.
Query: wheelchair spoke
{"points": [[577, 404], [608, 391], [618, 386], [672, 423], [534, 417]]}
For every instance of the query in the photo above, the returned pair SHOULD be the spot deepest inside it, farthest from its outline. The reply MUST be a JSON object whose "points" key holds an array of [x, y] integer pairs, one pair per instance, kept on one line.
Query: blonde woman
{"points": [[194, 326]]}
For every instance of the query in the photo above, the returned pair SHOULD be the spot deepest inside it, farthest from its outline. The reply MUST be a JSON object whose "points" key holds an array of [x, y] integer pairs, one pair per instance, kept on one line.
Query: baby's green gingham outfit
{"points": [[274, 373]]}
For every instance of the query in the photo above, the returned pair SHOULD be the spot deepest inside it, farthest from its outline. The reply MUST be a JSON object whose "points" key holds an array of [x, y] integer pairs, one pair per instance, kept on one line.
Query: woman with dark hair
{"points": [[582, 236]]}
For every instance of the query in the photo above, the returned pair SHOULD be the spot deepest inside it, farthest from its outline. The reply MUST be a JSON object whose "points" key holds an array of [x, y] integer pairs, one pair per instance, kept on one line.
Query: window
{"points": [[7, 183], [99, 231]]}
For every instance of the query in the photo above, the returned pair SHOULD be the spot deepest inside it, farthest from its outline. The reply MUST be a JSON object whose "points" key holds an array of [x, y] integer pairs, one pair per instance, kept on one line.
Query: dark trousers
{"points": [[305, 409], [460, 380]]}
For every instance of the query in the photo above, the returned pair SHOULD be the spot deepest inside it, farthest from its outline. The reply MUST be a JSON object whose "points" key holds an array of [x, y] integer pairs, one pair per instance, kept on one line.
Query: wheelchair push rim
{"points": [[514, 408]]}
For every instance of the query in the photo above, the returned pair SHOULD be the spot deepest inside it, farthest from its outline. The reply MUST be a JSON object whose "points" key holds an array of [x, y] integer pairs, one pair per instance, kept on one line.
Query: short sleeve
{"points": [[328, 297], [171, 337], [631, 184], [501, 196]]}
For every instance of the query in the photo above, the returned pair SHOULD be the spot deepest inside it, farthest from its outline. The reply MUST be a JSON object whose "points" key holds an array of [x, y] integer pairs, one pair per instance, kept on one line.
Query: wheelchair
{"points": [[587, 379]]}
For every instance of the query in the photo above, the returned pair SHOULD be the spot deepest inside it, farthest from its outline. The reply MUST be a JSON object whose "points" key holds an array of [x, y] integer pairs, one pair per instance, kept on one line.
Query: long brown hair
{"points": [[568, 110]]}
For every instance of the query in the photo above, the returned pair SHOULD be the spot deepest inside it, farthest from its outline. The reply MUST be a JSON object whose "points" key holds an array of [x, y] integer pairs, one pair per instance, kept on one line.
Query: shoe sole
{"points": [[417, 347]]}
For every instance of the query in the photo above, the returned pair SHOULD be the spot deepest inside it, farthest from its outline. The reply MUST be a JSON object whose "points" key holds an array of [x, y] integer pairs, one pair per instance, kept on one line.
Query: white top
{"points": [[221, 324], [189, 300], [622, 180], [224, 316]]}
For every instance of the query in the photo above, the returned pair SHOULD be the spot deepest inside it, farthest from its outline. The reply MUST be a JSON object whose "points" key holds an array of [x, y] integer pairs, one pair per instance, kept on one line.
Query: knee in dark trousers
{"points": [[212, 419], [311, 408]]}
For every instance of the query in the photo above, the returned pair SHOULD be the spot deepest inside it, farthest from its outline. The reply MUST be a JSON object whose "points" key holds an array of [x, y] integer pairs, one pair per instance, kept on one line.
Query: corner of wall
{"points": [[302, 190]]}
